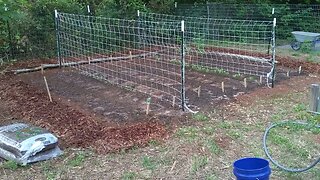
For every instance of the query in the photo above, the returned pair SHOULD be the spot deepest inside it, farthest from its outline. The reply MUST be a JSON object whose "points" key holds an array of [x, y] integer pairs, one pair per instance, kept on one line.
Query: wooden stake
{"points": [[148, 105], [288, 73], [89, 62], [222, 87], [173, 101], [48, 90], [245, 82], [300, 69], [130, 55], [173, 165], [42, 70], [199, 91], [148, 109], [260, 79]]}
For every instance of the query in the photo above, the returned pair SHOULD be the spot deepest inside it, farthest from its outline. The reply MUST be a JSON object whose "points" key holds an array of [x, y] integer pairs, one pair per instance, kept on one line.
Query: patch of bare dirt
{"points": [[295, 84], [309, 67], [73, 127]]}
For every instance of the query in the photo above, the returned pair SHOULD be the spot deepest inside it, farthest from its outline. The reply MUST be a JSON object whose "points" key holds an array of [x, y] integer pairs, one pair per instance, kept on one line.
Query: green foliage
{"points": [[31, 26], [188, 133], [120, 9], [77, 160], [10, 165], [198, 162], [213, 147], [148, 163], [207, 69], [200, 117], [129, 176], [49, 171], [31, 23]]}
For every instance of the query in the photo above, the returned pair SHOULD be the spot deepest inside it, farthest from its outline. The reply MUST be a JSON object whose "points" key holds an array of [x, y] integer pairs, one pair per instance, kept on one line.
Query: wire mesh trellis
{"points": [[290, 17], [149, 55], [124, 53], [238, 46]]}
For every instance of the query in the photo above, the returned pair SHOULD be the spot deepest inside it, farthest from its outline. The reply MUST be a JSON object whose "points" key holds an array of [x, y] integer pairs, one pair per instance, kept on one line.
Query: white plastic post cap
{"points": [[182, 26], [88, 8]]}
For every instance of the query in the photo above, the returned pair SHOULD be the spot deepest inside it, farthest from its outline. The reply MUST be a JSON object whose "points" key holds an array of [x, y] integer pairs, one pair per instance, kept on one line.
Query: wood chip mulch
{"points": [[72, 127]]}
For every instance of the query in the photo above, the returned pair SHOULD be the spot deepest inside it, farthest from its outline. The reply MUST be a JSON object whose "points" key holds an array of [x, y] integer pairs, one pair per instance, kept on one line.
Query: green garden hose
{"points": [[275, 162]]}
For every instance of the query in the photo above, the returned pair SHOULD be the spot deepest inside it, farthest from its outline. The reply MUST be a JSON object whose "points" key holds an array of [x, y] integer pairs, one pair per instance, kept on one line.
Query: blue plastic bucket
{"points": [[251, 169]]}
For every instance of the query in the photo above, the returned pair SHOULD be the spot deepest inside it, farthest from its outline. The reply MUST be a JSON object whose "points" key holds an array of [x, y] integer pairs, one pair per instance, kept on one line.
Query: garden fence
{"points": [[290, 17], [150, 54]]}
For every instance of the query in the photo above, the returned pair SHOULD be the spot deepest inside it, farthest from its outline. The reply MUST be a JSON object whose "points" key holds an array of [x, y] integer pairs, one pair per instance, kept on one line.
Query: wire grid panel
{"points": [[290, 17], [238, 46], [124, 53], [226, 11]]}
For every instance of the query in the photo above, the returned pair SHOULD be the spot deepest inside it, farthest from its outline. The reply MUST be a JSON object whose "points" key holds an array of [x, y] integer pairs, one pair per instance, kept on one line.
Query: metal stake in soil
{"points": [[183, 95], [57, 37], [273, 51]]}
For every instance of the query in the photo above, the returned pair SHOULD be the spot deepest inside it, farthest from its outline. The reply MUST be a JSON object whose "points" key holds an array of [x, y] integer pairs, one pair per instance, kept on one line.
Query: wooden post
{"points": [[260, 79], [314, 97], [222, 87], [48, 90], [89, 62], [42, 70], [148, 108], [173, 101], [199, 91], [148, 105], [300, 68], [245, 82], [130, 55]]}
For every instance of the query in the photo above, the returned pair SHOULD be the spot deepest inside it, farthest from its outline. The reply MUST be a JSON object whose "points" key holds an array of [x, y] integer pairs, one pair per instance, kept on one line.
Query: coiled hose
{"points": [[275, 162]]}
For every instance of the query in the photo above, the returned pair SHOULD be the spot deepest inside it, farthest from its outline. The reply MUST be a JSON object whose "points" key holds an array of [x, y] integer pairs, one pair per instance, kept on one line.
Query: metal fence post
{"points": [[208, 10], [273, 51], [272, 15], [208, 17], [92, 36], [57, 37], [139, 30], [183, 93]]}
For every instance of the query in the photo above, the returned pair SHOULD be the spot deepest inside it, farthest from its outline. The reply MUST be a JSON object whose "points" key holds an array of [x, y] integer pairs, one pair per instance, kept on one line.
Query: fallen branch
{"points": [[69, 64]]}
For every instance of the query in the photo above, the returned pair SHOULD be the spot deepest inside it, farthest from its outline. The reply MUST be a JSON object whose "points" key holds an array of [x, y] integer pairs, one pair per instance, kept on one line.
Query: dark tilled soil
{"points": [[73, 126], [89, 113]]}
